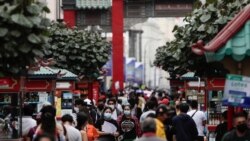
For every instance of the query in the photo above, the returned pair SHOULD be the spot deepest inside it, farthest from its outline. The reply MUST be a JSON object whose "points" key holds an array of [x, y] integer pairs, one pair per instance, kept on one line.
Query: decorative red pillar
{"points": [[70, 17], [117, 42], [230, 113]]}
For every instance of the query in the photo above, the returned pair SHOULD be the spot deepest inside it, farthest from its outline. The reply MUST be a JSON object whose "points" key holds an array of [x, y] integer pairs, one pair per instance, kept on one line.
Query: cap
{"points": [[88, 102], [164, 101], [161, 110]]}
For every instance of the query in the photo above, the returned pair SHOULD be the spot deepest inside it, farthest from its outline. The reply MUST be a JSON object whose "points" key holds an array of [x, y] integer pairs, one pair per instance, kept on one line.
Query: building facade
{"points": [[142, 33]]}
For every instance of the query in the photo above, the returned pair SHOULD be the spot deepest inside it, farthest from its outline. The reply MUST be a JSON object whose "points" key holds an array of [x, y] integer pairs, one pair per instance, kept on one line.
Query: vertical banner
{"points": [[108, 67], [139, 73], [237, 91], [117, 42], [95, 91], [130, 69]]}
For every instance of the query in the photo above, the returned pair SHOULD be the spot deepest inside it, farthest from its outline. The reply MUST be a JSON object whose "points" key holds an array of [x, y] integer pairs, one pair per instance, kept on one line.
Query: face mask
{"points": [[242, 127], [100, 107], [112, 107], [107, 116], [76, 109], [127, 112]]}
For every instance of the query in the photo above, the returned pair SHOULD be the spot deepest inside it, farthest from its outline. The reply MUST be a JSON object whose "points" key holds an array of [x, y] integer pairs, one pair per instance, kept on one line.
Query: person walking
{"points": [[151, 109], [184, 126], [161, 116], [199, 118], [221, 129], [149, 131], [128, 125], [47, 126], [27, 121], [241, 131], [108, 127], [70, 132], [82, 121], [115, 112]]}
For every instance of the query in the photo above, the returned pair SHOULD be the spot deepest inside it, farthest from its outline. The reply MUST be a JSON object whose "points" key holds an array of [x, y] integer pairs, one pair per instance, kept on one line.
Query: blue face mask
{"points": [[107, 116], [127, 112]]}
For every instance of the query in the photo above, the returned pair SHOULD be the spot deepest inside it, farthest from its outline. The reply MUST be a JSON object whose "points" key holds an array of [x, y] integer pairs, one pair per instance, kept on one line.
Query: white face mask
{"points": [[107, 116], [112, 107], [127, 112], [76, 109]]}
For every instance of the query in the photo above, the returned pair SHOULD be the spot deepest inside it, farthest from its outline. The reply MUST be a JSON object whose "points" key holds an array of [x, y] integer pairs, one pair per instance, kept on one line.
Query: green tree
{"points": [[23, 34], [203, 23], [80, 51]]}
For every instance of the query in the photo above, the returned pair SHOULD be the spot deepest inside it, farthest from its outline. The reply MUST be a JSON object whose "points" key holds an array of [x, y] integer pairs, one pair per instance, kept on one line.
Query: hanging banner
{"points": [[130, 68], [237, 91], [108, 67], [139, 72]]}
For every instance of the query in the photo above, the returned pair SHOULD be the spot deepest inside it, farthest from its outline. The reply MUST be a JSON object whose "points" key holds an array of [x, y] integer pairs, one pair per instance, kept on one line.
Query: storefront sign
{"points": [[196, 84], [9, 85], [63, 85], [130, 69], [237, 91], [139, 72], [38, 85]]}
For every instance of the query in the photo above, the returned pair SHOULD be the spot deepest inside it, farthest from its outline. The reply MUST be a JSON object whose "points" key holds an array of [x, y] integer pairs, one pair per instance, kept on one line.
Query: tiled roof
{"points": [[238, 46], [67, 74], [48, 72], [43, 72], [226, 34], [93, 4]]}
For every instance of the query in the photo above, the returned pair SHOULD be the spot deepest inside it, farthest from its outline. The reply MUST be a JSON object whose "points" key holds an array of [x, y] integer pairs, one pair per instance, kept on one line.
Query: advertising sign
{"points": [[130, 68], [237, 91], [108, 67], [139, 72]]}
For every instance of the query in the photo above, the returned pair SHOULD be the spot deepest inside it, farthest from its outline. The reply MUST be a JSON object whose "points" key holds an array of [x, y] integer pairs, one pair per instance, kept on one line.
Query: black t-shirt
{"points": [[232, 136], [127, 128], [185, 128], [221, 130]]}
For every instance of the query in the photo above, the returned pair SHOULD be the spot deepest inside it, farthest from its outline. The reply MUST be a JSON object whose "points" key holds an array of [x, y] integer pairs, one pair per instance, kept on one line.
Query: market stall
{"points": [[65, 91], [34, 89], [10, 108], [91, 89], [231, 47], [195, 89], [214, 88]]}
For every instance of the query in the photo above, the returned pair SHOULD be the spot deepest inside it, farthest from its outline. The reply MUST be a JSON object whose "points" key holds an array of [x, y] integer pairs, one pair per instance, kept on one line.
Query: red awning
{"points": [[226, 33]]}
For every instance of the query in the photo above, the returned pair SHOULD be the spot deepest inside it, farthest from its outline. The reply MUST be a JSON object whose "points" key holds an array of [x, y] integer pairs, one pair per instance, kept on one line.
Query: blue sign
{"points": [[139, 72], [236, 92], [108, 67], [130, 68]]}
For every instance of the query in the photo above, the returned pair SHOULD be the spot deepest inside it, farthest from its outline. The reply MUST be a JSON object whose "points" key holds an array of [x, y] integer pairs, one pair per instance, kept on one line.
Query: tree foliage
{"points": [[203, 23], [82, 52], [23, 33]]}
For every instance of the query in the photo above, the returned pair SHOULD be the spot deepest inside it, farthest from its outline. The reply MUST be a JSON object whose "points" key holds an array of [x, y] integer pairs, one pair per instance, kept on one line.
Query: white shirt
{"points": [[144, 115], [27, 123], [114, 115], [198, 118], [73, 134]]}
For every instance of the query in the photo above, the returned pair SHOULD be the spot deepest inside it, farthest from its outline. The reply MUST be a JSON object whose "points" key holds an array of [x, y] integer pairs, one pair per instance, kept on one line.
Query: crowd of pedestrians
{"points": [[128, 117]]}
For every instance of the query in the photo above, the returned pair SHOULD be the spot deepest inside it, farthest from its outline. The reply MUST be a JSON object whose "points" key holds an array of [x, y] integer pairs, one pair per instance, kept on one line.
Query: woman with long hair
{"points": [[47, 126], [82, 121], [129, 127], [108, 128]]}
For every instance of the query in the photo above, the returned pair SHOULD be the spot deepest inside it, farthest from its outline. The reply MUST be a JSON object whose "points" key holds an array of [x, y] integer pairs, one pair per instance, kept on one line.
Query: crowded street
{"points": [[124, 70]]}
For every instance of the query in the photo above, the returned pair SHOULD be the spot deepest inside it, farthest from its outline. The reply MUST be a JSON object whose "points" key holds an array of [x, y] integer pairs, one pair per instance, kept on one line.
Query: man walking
{"points": [[149, 131], [70, 132], [199, 118], [241, 132], [184, 125]]}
